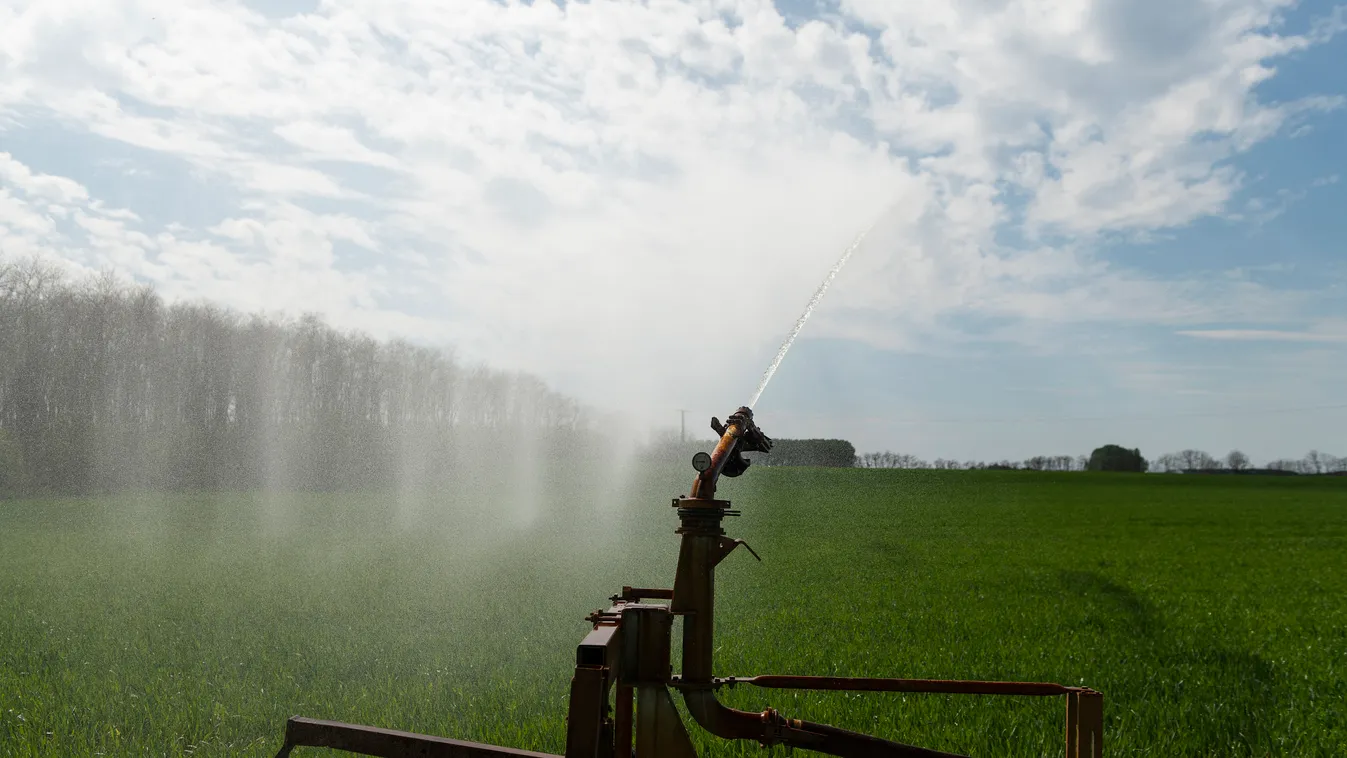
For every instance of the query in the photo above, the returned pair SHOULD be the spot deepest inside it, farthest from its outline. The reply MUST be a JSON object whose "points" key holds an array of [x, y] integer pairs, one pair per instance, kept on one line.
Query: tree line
{"points": [[105, 387], [1115, 458], [889, 459], [1313, 462]]}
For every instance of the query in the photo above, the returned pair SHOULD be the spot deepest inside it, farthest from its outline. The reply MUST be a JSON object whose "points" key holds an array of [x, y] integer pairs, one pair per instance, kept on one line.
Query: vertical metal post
{"points": [[647, 633], [659, 727], [585, 721], [622, 714], [589, 730], [1091, 729], [1072, 720], [1084, 724]]}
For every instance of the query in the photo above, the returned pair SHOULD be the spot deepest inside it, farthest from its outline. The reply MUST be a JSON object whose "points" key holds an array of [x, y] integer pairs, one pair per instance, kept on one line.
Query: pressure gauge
{"points": [[701, 461]]}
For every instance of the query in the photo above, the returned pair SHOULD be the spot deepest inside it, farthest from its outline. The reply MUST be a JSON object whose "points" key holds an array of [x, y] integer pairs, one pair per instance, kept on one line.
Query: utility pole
{"points": [[682, 425]]}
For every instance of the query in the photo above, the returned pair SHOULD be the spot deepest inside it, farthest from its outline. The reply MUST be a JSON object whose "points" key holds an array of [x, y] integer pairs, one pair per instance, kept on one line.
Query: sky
{"points": [[1100, 221]]}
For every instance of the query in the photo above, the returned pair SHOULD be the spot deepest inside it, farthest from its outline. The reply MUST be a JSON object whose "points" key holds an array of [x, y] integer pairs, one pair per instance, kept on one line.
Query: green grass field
{"points": [[1212, 612]]}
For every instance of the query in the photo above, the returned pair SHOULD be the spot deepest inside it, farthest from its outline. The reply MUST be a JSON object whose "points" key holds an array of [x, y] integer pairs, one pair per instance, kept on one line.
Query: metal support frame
{"points": [[387, 743], [626, 657], [1084, 724]]}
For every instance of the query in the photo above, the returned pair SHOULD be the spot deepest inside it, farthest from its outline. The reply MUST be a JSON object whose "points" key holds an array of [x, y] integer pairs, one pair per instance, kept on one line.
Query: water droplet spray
{"points": [[813, 303]]}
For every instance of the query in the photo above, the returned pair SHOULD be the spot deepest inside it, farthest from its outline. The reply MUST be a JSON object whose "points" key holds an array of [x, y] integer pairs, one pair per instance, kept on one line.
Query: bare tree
{"points": [[1236, 461], [1314, 462], [103, 386], [1193, 460], [1317, 462], [888, 459]]}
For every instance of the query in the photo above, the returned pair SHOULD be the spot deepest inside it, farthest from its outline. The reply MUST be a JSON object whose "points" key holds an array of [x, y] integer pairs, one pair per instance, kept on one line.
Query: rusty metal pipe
{"points": [[729, 723], [769, 728], [935, 686], [854, 745], [704, 486], [694, 597]]}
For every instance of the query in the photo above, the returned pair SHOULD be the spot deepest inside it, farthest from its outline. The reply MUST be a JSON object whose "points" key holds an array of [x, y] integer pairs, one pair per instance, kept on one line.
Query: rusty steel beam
{"points": [[659, 728], [387, 743], [600, 647], [585, 719], [645, 655], [1091, 734], [1072, 726], [933, 686], [636, 594], [622, 720], [1085, 724], [589, 731]]}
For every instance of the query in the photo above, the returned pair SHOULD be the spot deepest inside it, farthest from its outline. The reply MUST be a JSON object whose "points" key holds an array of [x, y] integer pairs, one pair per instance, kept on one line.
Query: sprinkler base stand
{"points": [[627, 656]]}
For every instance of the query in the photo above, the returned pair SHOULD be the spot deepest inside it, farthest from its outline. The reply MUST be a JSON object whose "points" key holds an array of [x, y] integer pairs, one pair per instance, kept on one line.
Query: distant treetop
{"points": [[1117, 458]]}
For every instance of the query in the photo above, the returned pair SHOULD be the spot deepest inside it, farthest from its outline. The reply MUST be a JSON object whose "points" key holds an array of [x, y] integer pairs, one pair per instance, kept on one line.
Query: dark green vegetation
{"points": [[1116, 458], [1211, 611]]}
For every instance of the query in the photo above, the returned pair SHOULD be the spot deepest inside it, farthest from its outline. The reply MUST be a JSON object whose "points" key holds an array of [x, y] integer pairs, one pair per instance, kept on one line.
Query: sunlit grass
{"points": [[1212, 612]]}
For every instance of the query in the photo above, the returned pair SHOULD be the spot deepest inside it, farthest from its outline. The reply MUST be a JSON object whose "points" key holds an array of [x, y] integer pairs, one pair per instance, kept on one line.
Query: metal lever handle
{"points": [[727, 546], [751, 550]]}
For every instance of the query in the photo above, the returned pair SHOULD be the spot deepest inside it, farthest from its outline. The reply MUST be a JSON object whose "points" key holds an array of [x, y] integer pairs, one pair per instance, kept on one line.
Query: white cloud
{"points": [[280, 258], [617, 185], [323, 141], [285, 181], [1265, 335], [59, 190]]}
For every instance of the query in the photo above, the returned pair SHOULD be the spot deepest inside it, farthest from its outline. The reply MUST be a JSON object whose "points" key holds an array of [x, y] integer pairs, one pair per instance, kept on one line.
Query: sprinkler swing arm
{"points": [[621, 697]]}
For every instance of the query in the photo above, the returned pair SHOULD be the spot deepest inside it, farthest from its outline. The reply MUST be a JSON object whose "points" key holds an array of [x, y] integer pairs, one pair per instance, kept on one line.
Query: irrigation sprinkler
{"points": [[621, 699]]}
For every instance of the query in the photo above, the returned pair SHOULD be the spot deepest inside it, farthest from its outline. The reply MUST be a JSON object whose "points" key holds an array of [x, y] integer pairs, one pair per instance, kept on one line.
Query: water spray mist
{"points": [[809, 309]]}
